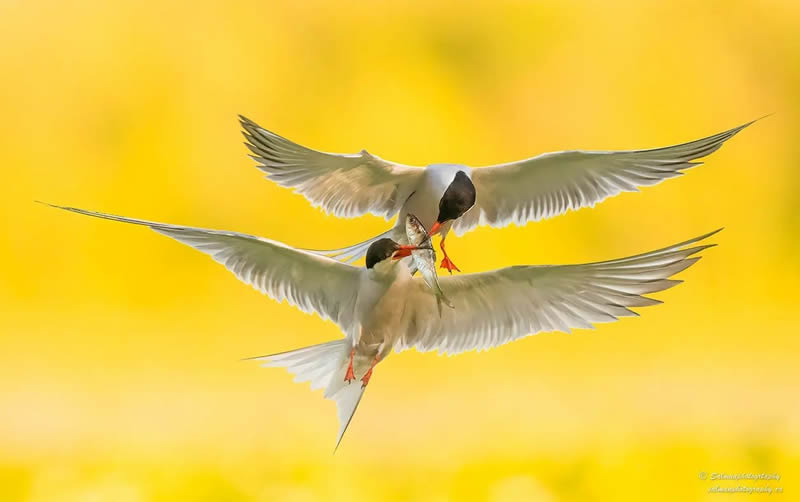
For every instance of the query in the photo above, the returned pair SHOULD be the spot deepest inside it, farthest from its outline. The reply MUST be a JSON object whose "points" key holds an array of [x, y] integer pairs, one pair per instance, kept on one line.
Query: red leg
{"points": [[349, 376], [446, 262], [368, 374]]}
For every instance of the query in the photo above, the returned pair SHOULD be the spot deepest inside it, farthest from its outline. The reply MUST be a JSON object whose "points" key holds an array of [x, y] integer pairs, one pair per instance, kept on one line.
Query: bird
{"points": [[382, 308], [458, 197]]}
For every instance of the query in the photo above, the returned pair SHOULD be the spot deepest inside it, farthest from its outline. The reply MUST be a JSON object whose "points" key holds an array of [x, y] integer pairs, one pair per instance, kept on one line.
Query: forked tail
{"points": [[324, 365], [352, 253]]}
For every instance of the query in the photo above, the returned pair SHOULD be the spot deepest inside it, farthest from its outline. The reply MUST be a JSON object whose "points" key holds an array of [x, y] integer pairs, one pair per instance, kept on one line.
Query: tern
{"points": [[445, 196], [382, 307]]}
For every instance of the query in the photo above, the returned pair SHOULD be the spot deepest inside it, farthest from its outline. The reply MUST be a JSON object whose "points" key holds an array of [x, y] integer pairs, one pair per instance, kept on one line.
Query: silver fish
{"points": [[424, 259]]}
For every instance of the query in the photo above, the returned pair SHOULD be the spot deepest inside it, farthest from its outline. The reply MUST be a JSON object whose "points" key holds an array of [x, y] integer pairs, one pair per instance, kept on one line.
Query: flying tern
{"points": [[381, 307], [457, 197]]}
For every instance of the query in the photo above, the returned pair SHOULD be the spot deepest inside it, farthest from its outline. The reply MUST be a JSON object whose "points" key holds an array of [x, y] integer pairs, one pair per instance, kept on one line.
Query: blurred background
{"points": [[120, 371]]}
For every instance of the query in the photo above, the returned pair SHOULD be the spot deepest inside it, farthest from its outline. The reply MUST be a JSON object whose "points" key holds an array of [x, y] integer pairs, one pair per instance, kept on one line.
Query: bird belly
{"points": [[424, 204], [382, 324]]}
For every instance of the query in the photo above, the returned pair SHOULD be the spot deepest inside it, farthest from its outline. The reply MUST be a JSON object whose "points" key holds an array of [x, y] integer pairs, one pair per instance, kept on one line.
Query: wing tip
{"points": [[74, 209], [256, 358], [736, 130], [759, 119], [701, 238], [51, 205], [713, 232], [244, 121]]}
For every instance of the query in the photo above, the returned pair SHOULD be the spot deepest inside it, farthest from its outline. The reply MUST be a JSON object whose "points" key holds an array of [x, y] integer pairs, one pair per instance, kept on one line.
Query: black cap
{"points": [[380, 250], [457, 199]]}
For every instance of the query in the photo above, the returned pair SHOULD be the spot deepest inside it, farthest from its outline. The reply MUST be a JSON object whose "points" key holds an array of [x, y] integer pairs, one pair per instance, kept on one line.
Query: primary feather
{"points": [[345, 185], [349, 185], [498, 307]]}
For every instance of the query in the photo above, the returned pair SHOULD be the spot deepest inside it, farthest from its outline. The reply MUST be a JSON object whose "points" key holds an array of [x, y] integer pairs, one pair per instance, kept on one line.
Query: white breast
{"points": [[380, 305]]}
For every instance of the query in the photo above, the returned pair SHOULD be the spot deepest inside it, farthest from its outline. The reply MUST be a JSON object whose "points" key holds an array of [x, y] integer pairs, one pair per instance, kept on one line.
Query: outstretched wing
{"points": [[494, 308], [308, 281], [345, 185], [553, 183]]}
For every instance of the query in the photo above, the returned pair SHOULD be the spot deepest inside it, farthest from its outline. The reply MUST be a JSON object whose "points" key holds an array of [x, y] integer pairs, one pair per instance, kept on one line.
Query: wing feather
{"points": [[308, 281], [494, 308], [345, 185], [554, 183]]}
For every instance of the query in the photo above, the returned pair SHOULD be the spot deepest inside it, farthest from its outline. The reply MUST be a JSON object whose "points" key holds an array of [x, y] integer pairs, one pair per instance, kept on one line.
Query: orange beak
{"points": [[403, 251], [434, 228]]}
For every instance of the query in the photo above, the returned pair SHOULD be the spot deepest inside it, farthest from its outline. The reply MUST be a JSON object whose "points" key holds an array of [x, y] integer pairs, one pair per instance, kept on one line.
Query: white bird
{"points": [[381, 307], [445, 196]]}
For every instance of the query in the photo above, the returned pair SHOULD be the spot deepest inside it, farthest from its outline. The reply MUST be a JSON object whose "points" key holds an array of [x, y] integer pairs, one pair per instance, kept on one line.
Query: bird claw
{"points": [[365, 378], [368, 374], [449, 265], [350, 376]]}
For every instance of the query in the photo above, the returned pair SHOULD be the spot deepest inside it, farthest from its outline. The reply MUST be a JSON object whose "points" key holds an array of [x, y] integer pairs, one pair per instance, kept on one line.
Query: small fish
{"points": [[424, 259]]}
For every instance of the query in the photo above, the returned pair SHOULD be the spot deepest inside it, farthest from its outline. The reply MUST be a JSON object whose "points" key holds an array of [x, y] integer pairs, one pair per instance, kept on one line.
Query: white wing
{"points": [[308, 281], [494, 308], [553, 183], [346, 185]]}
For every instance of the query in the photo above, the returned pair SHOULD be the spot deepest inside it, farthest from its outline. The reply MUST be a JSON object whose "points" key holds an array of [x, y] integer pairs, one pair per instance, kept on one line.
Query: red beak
{"points": [[403, 251], [434, 228]]}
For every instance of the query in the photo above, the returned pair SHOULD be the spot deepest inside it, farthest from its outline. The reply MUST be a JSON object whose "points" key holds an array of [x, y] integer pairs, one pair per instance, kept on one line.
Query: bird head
{"points": [[386, 249], [457, 199]]}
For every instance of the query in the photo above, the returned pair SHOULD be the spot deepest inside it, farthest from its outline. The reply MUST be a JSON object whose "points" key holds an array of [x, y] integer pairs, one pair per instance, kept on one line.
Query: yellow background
{"points": [[120, 377]]}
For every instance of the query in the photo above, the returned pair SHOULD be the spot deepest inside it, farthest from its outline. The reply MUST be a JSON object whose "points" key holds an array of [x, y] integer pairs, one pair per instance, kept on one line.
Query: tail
{"points": [[324, 365], [352, 253]]}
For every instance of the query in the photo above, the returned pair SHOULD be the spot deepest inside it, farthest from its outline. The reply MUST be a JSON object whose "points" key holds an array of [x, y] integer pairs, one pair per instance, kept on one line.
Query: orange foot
{"points": [[350, 376], [368, 374], [365, 378], [449, 265]]}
